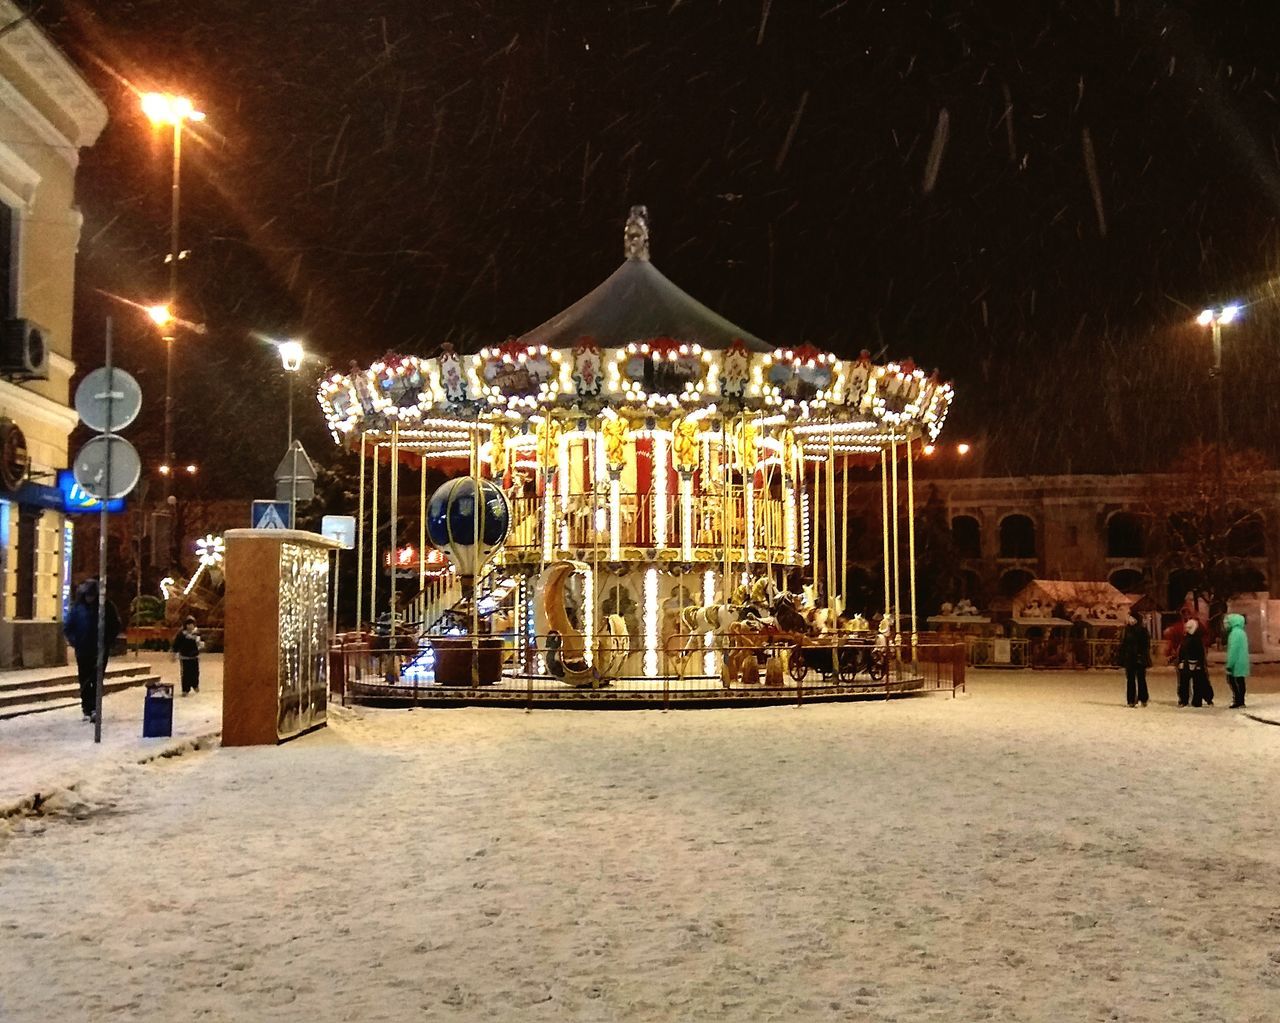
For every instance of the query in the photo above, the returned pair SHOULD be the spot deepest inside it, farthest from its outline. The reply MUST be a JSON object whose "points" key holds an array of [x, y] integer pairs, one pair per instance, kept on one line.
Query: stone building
{"points": [[1008, 530], [47, 115]]}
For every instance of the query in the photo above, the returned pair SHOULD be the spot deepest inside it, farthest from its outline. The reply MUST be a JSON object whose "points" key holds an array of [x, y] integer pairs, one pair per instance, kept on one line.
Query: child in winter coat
{"points": [[1237, 657], [187, 645]]}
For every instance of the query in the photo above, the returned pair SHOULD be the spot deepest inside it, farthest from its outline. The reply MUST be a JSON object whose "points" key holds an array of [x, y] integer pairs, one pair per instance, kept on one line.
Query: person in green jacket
{"points": [[1237, 657]]}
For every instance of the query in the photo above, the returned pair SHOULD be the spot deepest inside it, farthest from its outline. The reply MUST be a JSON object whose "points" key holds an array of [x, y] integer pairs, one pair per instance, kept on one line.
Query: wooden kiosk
{"points": [[275, 673]]}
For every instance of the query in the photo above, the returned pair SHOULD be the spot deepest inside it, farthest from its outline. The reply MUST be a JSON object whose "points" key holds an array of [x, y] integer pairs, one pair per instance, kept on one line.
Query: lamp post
{"points": [[1214, 319], [291, 356], [165, 108]]}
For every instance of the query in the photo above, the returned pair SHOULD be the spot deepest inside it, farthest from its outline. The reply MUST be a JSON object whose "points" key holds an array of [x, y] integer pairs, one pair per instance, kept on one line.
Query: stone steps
{"points": [[59, 687]]}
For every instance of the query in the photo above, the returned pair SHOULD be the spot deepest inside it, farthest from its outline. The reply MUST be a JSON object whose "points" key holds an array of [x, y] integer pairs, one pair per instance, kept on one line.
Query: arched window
{"points": [[1126, 536], [1247, 538], [1126, 580], [966, 535], [1014, 582], [1017, 537]]}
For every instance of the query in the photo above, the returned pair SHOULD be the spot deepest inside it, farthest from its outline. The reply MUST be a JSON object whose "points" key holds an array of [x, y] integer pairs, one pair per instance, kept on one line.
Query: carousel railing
{"points": [[646, 521], [782, 667]]}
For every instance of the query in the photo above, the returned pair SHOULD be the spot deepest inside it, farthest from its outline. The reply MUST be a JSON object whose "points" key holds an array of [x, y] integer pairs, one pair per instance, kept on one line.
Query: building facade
{"points": [[48, 113], [1006, 531]]}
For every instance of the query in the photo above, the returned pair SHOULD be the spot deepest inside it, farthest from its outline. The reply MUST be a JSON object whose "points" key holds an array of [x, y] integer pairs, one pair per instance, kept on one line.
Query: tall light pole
{"points": [[291, 356], [165, 108], [1215, 319]]}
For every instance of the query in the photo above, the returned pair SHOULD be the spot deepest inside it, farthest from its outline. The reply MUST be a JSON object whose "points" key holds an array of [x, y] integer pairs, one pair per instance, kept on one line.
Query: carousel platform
{"points": [[642, 693]]}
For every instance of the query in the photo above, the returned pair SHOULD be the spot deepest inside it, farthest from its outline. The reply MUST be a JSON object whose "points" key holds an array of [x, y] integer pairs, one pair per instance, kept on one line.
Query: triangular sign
{"points": [[270, 519], [295, 465]]}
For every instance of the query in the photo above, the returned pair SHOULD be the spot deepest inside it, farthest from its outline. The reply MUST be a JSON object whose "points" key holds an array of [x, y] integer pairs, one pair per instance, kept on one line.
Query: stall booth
{"points": [[660, 490], [1070, 624]]}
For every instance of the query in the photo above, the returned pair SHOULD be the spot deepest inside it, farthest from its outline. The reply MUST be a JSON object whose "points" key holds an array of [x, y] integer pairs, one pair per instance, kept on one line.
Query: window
{"points": [[966, 535], [1127, 580], [1125, 536], [1017, 537], [28, 543], [1014, 582]]}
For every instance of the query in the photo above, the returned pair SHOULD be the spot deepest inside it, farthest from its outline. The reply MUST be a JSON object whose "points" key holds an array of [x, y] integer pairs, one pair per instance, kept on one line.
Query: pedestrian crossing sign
{"points": [[271, 515]]}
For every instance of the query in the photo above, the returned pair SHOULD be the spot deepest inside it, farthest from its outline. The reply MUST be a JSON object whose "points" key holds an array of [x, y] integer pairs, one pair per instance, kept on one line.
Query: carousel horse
{"points": [[566, 646]]}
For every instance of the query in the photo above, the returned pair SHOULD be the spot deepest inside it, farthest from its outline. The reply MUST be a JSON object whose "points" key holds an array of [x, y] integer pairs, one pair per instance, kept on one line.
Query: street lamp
{"points": [[291, 356], [165, 108], [1215, 318]]}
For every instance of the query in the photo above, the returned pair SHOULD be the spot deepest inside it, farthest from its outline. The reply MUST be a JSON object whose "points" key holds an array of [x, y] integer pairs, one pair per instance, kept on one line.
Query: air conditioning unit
{"points": [[24, 351]]}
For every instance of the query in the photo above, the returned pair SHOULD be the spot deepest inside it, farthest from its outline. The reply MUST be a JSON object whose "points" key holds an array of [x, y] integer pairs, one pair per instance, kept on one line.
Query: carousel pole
{"points": [[725, 590], [360, 537], [393, 600], [911, 541], [817, 518], [373, 542], [844, 539], [598, 475], [478, 566], [422, 536], [831, 518], [884, 532], [897, 553]]}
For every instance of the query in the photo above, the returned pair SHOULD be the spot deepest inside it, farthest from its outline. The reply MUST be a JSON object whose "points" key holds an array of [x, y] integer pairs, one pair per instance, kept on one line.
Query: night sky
{"points": [[1035, 198]]}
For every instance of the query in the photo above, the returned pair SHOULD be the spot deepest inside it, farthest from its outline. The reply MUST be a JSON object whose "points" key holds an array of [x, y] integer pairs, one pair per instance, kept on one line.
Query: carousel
{"points": [[647, 500]]}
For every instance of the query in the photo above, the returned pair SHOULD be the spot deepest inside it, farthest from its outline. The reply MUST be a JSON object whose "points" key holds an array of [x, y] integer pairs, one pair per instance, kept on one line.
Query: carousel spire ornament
{"points": [[635, 236]]}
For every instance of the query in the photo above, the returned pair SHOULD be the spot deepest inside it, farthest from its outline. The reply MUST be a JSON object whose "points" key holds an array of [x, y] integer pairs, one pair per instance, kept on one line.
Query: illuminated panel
{"points": [[651, 623], [709, 598], [659, 490]]}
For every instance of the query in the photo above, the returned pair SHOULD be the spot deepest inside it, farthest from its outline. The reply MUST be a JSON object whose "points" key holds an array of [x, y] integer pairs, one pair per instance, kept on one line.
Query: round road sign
{"points": [[91, 467], [100, 395]]}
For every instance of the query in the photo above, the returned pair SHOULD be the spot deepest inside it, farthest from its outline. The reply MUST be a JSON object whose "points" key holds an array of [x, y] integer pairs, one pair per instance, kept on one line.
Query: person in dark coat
{"points": [[81, 630], [1135, 658], [187, 645], [1193, 670]]}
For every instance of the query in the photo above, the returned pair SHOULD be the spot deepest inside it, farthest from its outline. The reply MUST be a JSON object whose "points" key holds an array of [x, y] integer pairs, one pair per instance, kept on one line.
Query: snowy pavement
{"points": [[1032, 850], [46, 753]]}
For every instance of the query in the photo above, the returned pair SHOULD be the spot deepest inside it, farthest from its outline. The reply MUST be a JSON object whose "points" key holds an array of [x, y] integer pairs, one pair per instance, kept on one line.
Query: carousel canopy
{"points": [[639, 302], [638, 348]]}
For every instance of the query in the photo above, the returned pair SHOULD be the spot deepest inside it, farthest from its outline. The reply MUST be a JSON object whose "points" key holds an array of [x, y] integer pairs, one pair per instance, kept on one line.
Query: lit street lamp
{"points": [[1214, 319], [164, 108], [291, 356]]}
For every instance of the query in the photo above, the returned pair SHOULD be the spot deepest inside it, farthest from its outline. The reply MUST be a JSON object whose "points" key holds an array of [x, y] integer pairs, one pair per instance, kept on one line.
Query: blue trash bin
{"points": [[157, 710]]}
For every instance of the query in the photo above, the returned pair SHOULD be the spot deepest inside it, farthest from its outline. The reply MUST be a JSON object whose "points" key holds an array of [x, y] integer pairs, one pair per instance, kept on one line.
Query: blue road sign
{"points": [[271, 515]]}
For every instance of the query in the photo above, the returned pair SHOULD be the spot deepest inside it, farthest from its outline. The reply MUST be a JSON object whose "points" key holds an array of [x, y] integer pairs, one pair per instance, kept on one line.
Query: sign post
{"points": [[107, 467]]}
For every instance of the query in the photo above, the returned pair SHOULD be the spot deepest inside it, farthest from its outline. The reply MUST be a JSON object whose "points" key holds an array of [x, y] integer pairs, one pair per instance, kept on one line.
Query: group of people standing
{"points": [[1187, 652]]}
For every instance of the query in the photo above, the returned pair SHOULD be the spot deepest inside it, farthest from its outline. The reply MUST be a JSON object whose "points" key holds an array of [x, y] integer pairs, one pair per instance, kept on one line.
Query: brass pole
{"points": [[844, 539], [884, 530], [911, 542], [831, 517], [897, 552], [360, 536], [422, 534], [393, 600], [373, 542]]}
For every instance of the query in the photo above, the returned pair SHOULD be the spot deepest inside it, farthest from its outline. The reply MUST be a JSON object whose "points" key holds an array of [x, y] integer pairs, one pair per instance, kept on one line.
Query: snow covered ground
{"points": [[1033, 850], [46, 752]]}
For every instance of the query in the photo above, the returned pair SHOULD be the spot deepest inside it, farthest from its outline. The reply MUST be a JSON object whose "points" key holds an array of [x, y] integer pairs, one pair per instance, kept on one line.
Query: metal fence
{"points": [[779, 669], [1048, 653]]}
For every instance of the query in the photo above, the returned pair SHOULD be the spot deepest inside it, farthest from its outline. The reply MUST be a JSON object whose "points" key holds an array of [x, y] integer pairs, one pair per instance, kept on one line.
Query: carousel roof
{"points": [[636, 348], [638, 302]]}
